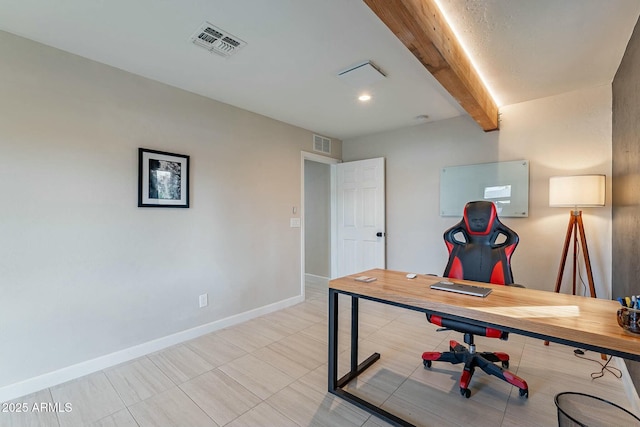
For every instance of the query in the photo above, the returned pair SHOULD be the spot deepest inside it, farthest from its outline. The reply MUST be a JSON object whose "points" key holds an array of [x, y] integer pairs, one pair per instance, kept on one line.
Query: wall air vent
{"points": [[216, 40], [321, 144]]}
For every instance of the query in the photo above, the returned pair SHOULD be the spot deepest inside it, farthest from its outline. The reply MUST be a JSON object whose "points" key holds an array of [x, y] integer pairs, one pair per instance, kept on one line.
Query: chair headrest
{"points": [[480, 217]]}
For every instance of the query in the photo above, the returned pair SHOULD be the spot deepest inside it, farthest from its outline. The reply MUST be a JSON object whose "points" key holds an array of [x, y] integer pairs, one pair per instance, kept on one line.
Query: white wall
{"points": [[566, 134], [84, 272]]}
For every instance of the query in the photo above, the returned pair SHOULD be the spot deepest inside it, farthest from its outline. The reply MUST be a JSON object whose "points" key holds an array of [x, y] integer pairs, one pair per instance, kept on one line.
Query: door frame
{"points": [[304, 155]]}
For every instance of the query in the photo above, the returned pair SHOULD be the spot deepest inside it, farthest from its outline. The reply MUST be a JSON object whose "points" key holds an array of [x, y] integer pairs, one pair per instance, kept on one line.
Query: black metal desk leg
{"points": [[335, 384], [356, 368], [333, 340], [354, 333]]}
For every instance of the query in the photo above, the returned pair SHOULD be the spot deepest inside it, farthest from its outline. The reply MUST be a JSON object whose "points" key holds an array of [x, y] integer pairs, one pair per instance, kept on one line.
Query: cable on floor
{"points": [[605, 366]]}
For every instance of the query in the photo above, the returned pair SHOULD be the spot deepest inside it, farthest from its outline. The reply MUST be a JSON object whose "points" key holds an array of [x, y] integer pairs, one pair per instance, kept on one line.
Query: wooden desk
{"points": [[584, 322]]}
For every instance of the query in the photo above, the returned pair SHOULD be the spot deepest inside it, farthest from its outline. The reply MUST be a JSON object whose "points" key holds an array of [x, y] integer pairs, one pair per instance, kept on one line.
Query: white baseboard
{"points": [[81, 369], [629, 388]]}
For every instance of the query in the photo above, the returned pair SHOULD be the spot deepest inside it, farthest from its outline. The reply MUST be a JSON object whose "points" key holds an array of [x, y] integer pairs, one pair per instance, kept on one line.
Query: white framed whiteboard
{"points": [[504, 183]]}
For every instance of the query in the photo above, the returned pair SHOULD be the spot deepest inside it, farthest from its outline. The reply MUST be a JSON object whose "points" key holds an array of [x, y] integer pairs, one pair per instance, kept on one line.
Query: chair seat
{"points": [[467, 328]]}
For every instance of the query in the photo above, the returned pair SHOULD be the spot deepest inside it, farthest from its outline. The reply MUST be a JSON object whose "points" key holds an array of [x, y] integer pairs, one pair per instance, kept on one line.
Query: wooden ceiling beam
{"points": [[423, 29]]}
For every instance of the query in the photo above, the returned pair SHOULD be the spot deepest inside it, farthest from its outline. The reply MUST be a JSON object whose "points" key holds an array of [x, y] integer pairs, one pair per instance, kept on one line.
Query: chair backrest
{"points": [[475, 253]]}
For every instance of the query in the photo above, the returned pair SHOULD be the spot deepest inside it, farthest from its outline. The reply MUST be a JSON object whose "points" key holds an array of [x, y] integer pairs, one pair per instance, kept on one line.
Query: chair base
{"points": [[485, 361]]}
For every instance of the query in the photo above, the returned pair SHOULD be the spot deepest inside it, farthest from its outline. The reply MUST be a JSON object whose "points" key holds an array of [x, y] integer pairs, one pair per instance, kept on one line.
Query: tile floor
{"points": [[272, 371]]}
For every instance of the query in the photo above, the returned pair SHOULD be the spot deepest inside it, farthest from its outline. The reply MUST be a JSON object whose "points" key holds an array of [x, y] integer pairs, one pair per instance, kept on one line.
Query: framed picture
{"points": [[163, 179]]}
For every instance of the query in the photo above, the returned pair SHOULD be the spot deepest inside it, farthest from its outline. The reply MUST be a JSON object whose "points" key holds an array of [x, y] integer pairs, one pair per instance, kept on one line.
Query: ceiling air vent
{"points": [[321, 144], [361, 75], [216, 40]]}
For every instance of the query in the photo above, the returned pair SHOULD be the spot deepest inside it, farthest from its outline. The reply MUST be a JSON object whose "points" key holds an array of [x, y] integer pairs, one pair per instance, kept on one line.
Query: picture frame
{"points": [[163, 179]]}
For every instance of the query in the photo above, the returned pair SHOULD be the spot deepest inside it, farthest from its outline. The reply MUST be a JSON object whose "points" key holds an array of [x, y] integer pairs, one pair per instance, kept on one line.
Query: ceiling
{"points": [[295, 48]]}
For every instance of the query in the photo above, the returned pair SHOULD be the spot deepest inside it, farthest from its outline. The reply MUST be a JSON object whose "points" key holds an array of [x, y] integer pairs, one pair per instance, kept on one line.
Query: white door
{"points": [[360, 216]]}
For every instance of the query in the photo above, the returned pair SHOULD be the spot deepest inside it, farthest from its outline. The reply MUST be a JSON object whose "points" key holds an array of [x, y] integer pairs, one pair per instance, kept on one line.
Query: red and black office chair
{"points": [[477, 252]]}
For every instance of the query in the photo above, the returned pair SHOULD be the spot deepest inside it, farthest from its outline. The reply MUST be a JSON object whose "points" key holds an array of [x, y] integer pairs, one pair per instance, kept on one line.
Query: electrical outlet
{"points": [[204, 300]]}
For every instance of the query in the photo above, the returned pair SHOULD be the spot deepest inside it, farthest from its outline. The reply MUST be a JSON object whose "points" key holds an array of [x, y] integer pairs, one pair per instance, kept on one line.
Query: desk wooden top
{"points": [[578, 319]]}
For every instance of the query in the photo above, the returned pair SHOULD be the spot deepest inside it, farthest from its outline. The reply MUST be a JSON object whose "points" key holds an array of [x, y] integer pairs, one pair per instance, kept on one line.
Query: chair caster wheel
{"points": [[524, 393], [505, 364], [426, 363], [465, 392]]}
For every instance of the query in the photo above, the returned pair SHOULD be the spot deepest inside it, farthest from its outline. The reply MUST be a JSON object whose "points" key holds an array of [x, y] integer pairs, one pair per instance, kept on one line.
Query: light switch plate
{"points": [[203, 300]]}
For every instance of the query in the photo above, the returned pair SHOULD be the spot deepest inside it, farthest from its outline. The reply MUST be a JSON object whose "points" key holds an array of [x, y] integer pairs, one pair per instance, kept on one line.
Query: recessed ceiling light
{"points": [[364, 97]]}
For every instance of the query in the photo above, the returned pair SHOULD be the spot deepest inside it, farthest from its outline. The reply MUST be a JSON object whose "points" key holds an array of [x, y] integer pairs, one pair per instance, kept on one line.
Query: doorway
{"points": [[316, 213], [343, 219]]}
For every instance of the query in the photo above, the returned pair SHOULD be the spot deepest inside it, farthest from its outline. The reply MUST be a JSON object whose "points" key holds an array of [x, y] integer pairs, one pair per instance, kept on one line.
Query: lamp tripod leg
{"points": [[585, 252]]}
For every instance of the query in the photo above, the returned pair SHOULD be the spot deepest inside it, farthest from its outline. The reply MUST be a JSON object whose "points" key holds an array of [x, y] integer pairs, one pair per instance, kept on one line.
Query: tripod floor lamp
{"points": [[576, 192]]}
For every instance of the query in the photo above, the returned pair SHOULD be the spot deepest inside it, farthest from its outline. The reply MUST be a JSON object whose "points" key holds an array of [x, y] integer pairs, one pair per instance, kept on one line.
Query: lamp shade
{"points": [[577, 190]]}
